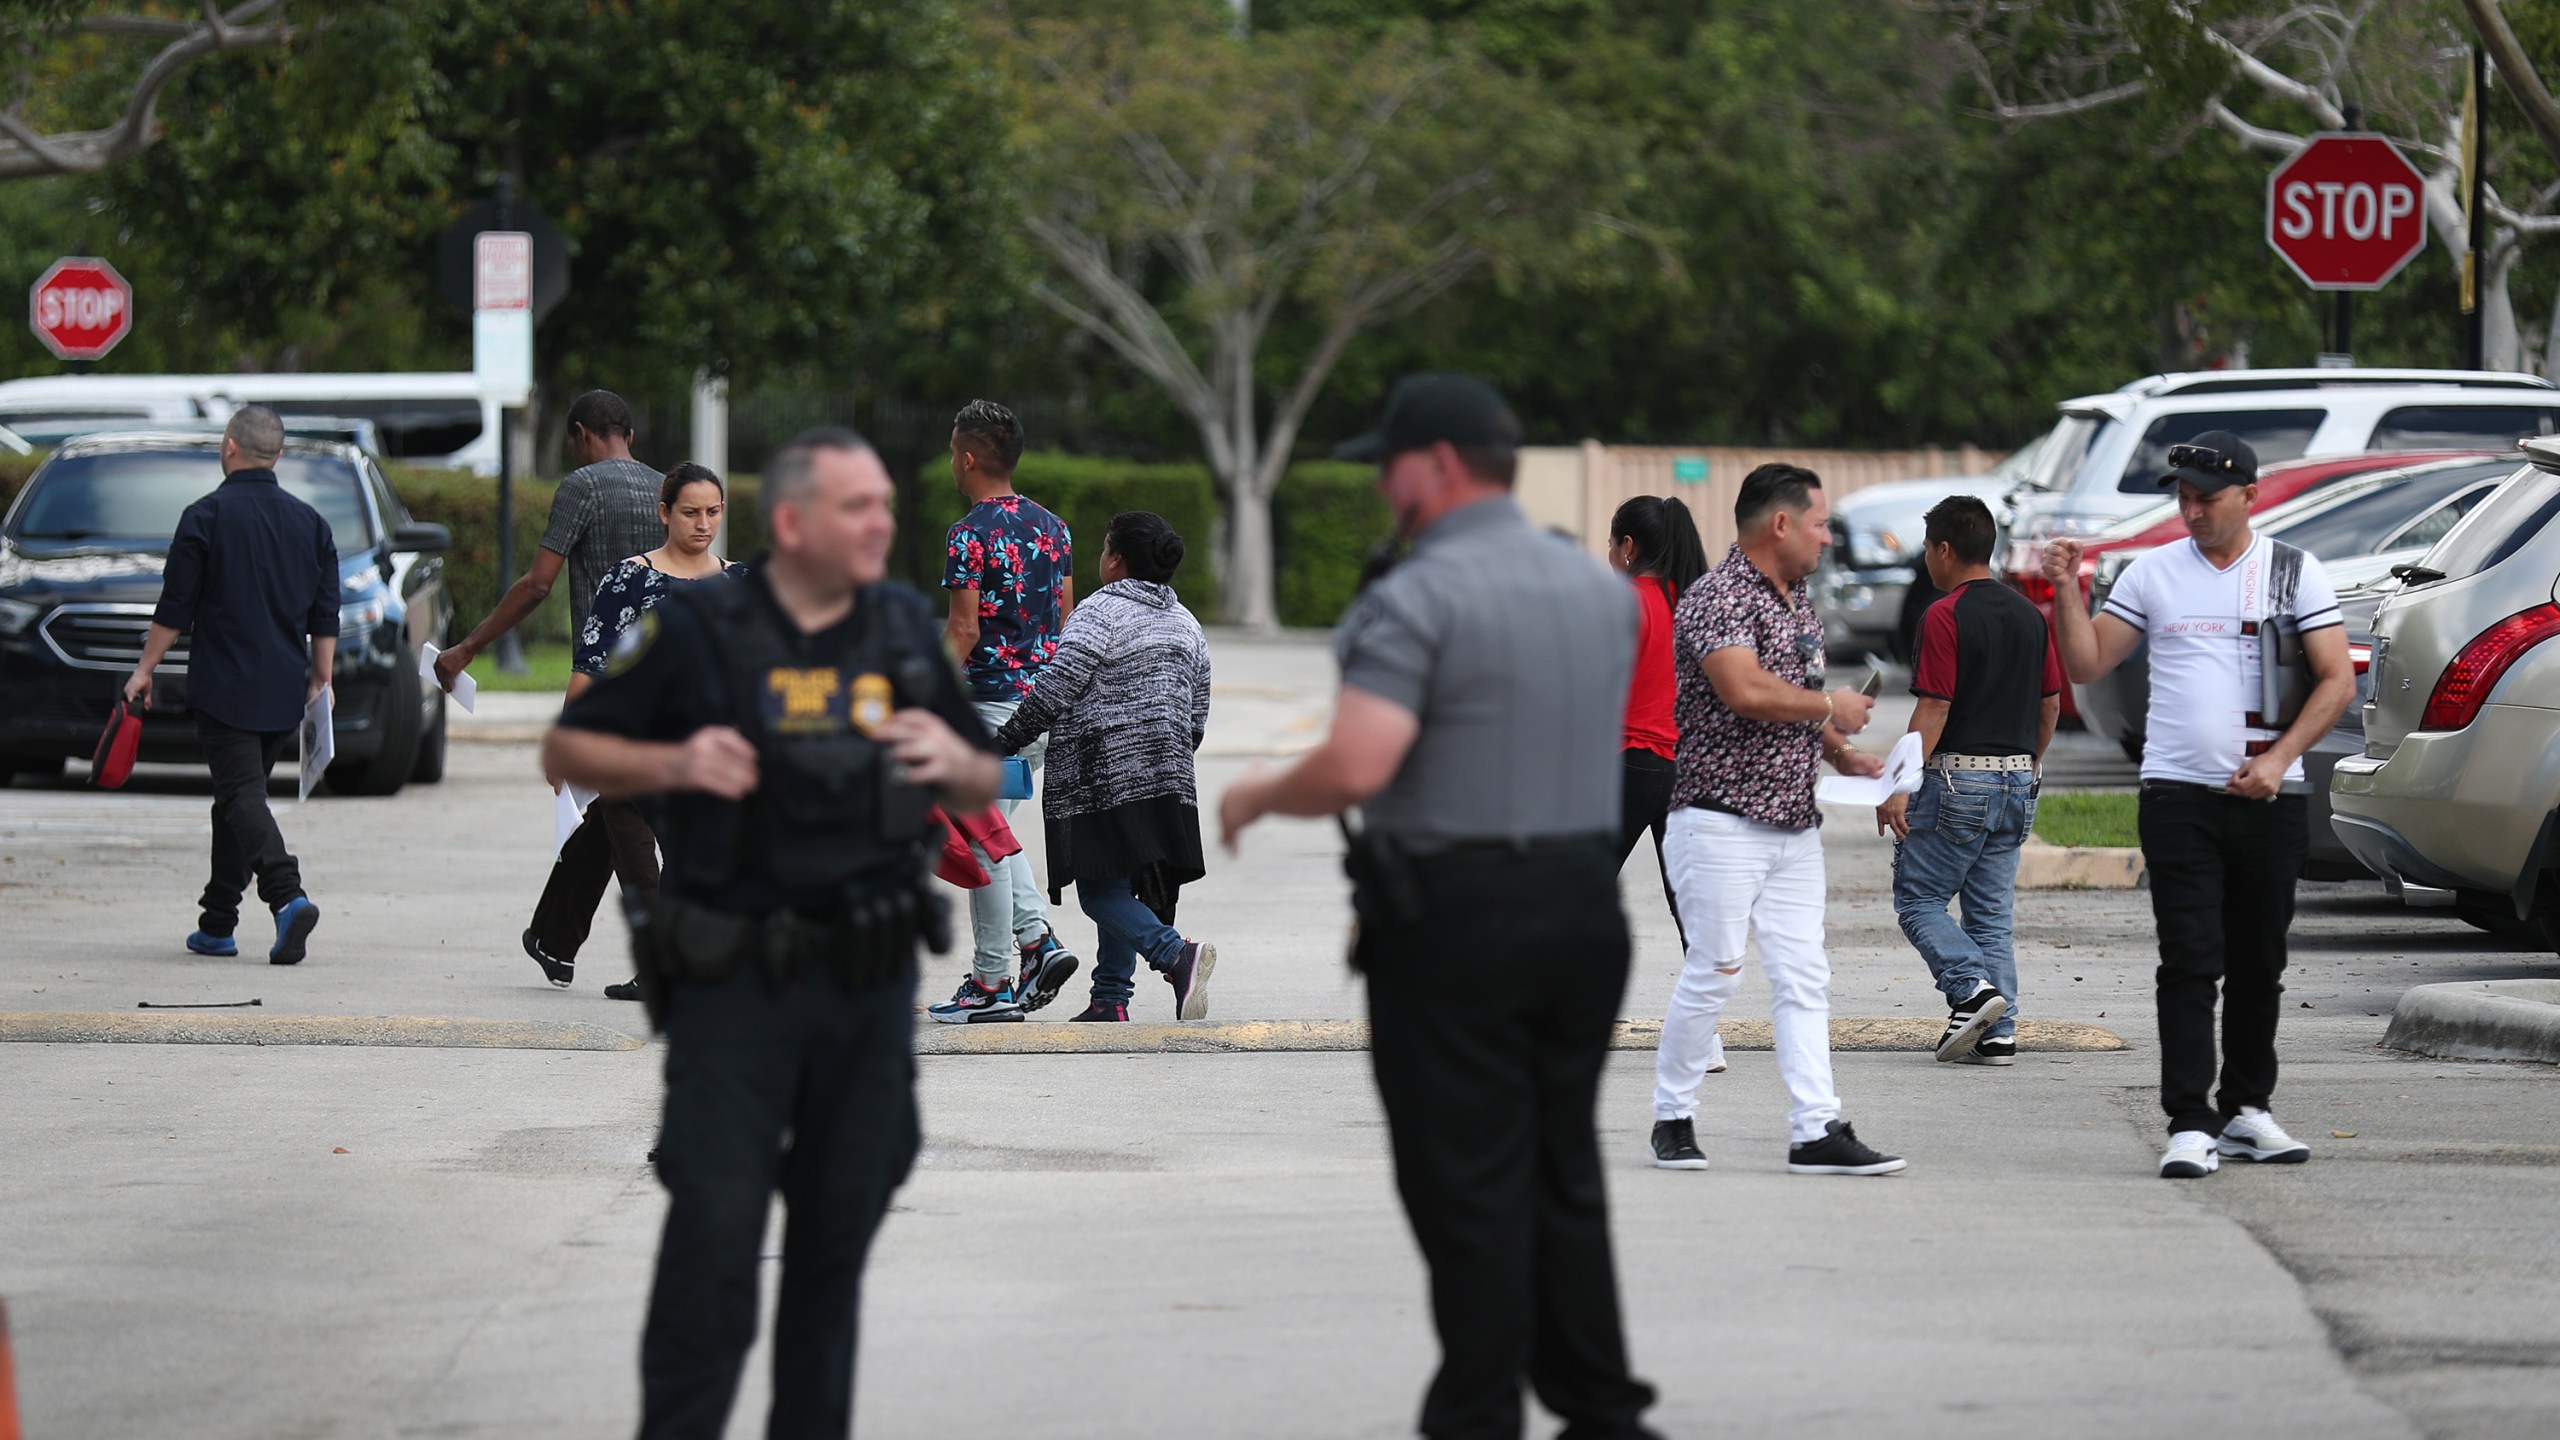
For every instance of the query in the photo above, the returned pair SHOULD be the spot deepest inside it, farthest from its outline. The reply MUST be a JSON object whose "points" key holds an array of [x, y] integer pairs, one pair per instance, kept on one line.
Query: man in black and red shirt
{"points": [[1989, 688]]}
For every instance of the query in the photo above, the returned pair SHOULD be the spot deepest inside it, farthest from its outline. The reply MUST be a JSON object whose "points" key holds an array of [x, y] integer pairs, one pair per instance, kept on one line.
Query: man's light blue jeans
{"points": [[1006, 914], [1966, 827]]}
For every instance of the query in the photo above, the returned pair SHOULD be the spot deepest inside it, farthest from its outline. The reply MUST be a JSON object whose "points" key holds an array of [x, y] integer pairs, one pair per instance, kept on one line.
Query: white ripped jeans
{"points": [[1737, 880]]}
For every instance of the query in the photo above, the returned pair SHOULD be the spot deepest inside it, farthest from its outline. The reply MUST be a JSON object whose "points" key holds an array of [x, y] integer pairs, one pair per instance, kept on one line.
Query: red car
{"points": [[2023, 564]]}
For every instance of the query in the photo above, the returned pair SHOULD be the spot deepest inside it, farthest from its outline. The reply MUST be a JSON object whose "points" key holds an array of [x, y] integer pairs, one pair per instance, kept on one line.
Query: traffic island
{"points": [[1283, 1036], [2479, 1020]]}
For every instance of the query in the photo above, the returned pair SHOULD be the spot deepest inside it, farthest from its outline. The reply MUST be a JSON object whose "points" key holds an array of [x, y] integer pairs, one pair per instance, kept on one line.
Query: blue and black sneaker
{"points": [[1047, 966], [204, 943], [975, 1004], [293, 927]]}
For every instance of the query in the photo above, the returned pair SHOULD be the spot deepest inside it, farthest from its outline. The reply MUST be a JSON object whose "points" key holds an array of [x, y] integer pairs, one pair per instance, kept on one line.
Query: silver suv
{"points": [[2104, 460], [2457, 794]]}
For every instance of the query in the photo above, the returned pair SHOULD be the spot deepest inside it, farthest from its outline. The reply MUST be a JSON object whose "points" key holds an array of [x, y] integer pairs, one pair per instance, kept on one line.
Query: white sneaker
{"points": [[1715, 1055], [2190, 1156], [2253, 1134]]}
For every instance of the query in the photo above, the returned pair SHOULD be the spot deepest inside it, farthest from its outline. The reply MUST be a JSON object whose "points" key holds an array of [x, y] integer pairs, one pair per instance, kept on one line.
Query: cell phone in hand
{"points": [[1873, 685]]}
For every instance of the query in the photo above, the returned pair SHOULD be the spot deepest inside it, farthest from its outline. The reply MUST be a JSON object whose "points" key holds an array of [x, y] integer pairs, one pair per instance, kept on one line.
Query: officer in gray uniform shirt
{"points": [[1483, 682]]}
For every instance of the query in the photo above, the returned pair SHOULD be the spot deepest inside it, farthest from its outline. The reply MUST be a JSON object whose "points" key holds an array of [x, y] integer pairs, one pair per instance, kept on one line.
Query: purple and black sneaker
{"points": [[1189, 977]]}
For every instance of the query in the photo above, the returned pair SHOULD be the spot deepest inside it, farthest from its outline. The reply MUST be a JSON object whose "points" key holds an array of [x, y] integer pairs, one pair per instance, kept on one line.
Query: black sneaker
{"points": [[627, 990], [2002, 1050], [1838, 1152], [1968, 1018], [1675, 1146], [1189, 977], [1047, 966], [558, 972], [1097, 1010]]}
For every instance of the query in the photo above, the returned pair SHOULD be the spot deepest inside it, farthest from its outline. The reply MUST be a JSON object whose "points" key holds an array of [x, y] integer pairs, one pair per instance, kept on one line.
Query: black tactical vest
{"points": [[829, 815]]}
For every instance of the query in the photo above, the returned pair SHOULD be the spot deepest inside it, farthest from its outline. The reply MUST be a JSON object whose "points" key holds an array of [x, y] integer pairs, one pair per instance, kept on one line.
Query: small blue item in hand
{"points": [[1017, 779]]}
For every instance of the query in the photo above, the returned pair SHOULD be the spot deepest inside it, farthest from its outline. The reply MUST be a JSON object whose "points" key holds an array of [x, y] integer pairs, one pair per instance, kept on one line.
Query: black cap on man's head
{"points": [[2214, 460], [1427, 409]]}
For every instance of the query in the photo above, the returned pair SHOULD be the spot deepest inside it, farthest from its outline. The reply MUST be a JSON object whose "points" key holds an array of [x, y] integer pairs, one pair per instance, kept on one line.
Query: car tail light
{"points": [[2362, 655], [2466, 683]]}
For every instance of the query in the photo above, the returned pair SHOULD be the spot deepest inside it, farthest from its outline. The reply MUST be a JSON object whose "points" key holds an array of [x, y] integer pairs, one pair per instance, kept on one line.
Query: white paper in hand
{"points": [[319, 744], [567, 809], [1901, 776], [465, 689]]}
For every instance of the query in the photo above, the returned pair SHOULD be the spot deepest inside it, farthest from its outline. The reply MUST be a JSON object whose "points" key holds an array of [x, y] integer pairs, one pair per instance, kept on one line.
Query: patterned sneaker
{"points": [[2253, 1134], [1968, 1018], [1047, 966], [1096, 1010], [1189, 977], [2000, 1051], [973, 1003]]}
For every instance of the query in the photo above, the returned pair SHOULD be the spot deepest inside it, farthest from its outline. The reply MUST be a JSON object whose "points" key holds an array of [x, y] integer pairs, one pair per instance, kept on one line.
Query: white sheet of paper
{"points": [[465, 689], [567, 809], [319, 743], [1901, 776]]}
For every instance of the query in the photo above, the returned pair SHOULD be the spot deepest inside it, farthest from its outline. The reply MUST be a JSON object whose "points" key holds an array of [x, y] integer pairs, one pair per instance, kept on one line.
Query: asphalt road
{"points": [[214, 1241]]}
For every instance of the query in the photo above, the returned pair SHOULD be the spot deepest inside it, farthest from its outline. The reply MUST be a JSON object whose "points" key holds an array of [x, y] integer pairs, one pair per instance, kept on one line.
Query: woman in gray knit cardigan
{"points": [[1126, 701]]}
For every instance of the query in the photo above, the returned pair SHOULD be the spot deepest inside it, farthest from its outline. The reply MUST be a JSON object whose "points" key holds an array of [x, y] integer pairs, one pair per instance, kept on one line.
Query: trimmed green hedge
{"points": [[1327, 517]]}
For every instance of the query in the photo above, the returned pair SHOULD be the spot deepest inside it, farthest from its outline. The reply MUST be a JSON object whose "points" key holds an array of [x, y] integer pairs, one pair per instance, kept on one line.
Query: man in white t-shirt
{"points": [[2225, 813]]}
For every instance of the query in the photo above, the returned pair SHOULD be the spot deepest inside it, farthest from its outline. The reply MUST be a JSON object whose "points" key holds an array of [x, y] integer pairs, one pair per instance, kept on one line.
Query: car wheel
{"points": [[389, 767], [430, 766], [2496, 915]]}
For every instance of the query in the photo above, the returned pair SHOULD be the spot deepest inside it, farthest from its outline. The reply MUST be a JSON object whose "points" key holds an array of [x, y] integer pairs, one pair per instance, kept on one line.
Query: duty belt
{"points": [[1982, 762]]}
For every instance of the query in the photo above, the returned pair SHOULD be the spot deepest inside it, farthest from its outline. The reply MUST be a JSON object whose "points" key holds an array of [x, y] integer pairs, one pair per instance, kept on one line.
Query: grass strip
{"points": [[2086, 817]]}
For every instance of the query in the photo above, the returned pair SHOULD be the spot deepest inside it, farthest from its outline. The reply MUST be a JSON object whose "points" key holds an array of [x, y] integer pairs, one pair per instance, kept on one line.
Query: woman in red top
{"points": [[1655, 544]]}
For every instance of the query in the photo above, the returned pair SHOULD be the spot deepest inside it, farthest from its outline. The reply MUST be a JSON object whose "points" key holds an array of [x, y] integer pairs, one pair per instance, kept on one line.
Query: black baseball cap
{"points": [[1424, 410], [2214, 460]]}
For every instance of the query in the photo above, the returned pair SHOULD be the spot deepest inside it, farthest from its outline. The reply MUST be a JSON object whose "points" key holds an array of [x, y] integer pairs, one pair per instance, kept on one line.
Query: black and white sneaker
{"points": [[1047, 966], [1991, 1050], [2192, 1155], [1968, 1018], [558, 972], [2253, 1134], [1675, 1146], [1838, 1152]]}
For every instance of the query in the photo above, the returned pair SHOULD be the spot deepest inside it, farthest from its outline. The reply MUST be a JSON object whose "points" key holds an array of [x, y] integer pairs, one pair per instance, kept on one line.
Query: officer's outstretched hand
{"points": [[934, 754], [716, 760]]}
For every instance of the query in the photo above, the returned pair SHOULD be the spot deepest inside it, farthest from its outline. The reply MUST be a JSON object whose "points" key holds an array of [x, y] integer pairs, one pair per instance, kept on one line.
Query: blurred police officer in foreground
{"points": [[1482, 685], [779, 956]]}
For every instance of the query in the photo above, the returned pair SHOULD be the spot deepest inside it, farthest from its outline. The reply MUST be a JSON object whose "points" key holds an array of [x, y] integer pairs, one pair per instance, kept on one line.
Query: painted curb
{"points": [[71, 1027], [2080, 867], [1285, 1036], [2479, 1020]]}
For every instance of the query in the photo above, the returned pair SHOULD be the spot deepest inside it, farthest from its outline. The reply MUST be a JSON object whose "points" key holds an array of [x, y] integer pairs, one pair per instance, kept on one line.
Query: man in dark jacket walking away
{"points": [[253, 578]]}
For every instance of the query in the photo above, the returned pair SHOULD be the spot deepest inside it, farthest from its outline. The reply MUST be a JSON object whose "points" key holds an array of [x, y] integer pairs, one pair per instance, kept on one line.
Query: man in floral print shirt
{"points": [[1009, 566], [1744, 842]]}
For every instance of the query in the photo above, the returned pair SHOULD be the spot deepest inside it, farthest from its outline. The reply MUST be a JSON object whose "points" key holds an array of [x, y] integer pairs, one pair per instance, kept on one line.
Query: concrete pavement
{"points": [[1208, 1244]]}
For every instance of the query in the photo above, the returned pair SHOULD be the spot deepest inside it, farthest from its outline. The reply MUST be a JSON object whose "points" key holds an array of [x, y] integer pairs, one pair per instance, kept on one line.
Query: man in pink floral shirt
{"points": [[1009, 568]]}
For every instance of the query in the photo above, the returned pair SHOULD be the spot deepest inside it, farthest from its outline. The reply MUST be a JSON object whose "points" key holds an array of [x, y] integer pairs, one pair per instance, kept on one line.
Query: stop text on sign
{"points": [[2334, 208], [2346, 212], [97, 309]]}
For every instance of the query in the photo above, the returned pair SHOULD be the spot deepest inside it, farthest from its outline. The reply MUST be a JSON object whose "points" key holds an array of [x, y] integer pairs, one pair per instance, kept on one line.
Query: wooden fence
{"points": [[1577, 489]]}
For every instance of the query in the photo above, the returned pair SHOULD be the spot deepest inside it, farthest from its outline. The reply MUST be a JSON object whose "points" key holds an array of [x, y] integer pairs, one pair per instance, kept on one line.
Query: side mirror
{"points": [[421, 538]]}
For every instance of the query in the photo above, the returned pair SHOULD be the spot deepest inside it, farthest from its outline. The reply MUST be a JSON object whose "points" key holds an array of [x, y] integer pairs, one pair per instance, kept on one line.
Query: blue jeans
{"points": [[1966, 827], [1128, 929]]}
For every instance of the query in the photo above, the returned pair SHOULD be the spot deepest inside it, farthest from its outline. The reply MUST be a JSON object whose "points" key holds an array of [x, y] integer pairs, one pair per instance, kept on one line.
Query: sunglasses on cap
{"points": [[2201, 457]]}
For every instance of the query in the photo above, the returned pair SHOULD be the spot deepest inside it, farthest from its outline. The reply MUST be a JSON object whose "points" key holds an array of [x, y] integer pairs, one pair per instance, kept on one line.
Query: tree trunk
{"points": [[2500, 347], [1250, 594]]}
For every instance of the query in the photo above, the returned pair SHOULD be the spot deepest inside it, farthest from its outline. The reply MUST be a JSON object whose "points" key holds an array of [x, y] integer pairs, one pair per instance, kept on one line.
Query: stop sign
{"points": [[80, 307], [2346, 212]]}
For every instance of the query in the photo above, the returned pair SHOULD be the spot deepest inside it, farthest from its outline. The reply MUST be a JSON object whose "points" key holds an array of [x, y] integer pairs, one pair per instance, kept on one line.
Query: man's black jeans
{"points": [[1490, 1020], [2222, 877], [809, 1087], [246, 841], [613, 841]]}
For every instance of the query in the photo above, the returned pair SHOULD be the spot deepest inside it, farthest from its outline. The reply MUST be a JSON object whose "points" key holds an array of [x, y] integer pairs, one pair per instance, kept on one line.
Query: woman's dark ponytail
{"points": [[1667, 543], [1146, 544]]}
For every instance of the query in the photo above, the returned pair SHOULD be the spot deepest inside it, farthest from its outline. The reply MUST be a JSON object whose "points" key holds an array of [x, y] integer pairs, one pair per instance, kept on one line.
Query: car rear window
{"points": [[2463, 427], [2498, 526], [410, 429], [2360, 524], [139, 495], [2274, 434]]}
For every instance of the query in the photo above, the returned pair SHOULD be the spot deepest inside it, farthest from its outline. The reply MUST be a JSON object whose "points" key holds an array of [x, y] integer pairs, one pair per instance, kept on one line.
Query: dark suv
{"points": [[80, 560]]}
